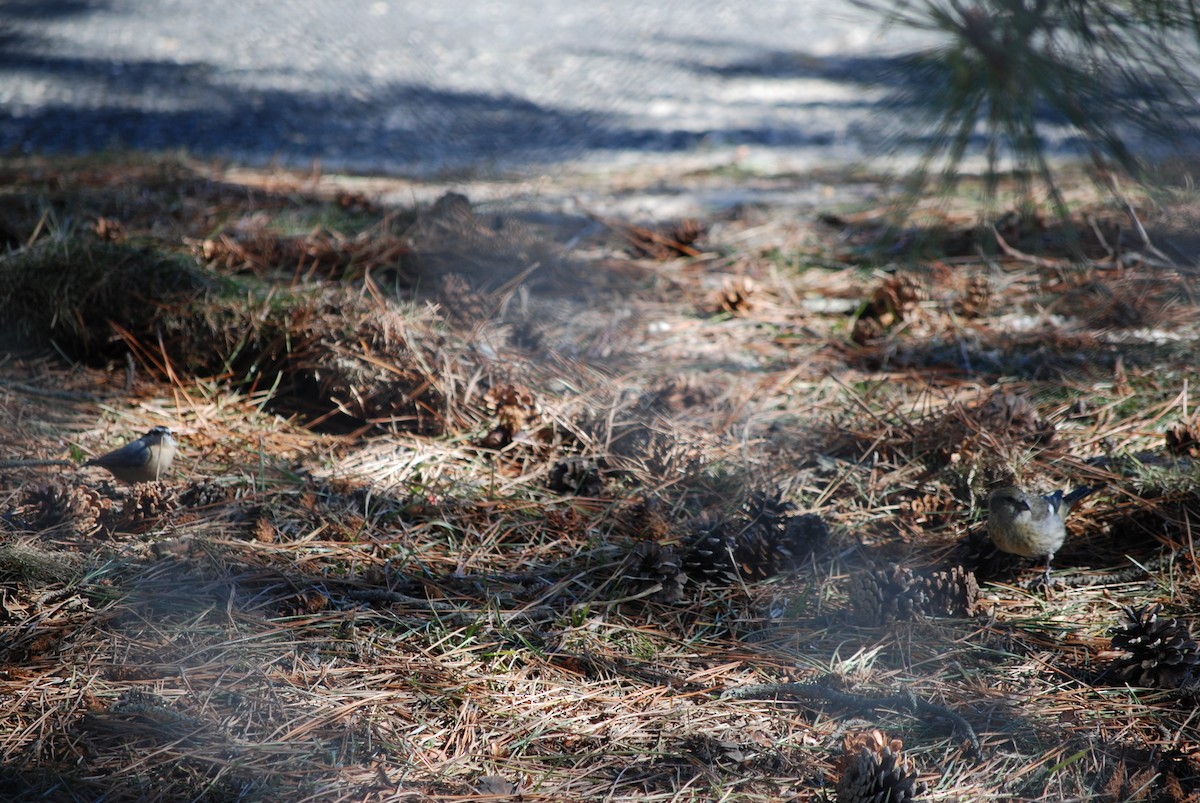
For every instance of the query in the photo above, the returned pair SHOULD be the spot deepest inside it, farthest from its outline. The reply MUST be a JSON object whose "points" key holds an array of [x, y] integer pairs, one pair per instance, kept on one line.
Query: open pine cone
{"points": [[653, 565], [77, 509], [579, 476], [873, 772], [1183, 439], [1159, 652], [767, 539], [879, 596]]}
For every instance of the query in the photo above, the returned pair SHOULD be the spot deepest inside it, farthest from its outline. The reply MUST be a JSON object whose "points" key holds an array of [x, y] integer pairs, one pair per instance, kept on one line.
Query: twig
{"points": [[641, 237], [67, 395], [34, 463], [1100, 238], [1021, 255], [1162, 261], [383, 595], [1141, 230], [446, 610], [1127, 575]]}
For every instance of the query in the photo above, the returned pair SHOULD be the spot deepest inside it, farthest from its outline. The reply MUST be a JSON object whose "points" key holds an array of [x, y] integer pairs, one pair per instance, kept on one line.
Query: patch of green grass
{"points": [[72, 290]]}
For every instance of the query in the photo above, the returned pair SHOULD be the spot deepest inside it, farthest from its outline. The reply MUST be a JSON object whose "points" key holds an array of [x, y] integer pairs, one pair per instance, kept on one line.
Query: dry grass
{"points": [[459, 513]]}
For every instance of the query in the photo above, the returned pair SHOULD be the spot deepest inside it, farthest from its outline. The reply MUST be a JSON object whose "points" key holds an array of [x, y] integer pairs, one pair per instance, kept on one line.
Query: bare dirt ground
{"points": [[599, 491]]}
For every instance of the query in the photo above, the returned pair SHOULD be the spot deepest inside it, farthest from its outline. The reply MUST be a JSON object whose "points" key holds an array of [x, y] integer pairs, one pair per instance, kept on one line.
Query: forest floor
{"points": [[531, 498]]}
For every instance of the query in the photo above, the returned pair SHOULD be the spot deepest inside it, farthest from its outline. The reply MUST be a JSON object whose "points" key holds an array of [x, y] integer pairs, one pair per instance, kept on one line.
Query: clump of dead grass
{"points": [[320, 254], [326, 353], [322, 352]]}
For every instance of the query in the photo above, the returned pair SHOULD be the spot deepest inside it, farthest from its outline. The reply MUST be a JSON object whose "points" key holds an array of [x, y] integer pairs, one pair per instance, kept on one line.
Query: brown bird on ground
{"points": [[143, 460], [1030, 525]]}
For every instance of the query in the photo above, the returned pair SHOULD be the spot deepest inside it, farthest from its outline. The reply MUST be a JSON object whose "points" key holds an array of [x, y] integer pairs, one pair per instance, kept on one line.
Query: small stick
{"points": [[67, 395], [34, 463]]}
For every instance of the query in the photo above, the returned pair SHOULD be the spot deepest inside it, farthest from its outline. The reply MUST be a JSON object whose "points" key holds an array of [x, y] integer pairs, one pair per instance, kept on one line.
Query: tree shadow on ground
{"points": [[199, 106]]}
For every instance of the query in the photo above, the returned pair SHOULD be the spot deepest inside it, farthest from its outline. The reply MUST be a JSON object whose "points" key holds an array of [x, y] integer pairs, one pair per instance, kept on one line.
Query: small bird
{"points": [[144, 460], [1029, 525]]}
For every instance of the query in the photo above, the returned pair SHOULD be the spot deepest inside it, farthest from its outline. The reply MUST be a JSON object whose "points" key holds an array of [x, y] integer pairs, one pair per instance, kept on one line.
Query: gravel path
{"points": [[436, 89]]}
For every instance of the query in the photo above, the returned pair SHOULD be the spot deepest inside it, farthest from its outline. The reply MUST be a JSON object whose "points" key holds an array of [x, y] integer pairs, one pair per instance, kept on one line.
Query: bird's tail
{"points": [[1074, 496]]}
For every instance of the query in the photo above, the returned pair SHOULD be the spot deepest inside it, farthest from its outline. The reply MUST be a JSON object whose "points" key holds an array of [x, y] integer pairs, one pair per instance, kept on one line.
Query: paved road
{"points": [[437, 88]]}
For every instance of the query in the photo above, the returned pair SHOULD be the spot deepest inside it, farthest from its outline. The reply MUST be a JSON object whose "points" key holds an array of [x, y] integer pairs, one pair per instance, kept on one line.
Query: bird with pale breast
{"points": [[1030, 525], [143, 460]]}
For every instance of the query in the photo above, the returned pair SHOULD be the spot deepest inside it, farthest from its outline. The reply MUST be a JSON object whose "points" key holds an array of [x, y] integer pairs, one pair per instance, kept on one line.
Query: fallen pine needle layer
{"points": [[462, 513]]}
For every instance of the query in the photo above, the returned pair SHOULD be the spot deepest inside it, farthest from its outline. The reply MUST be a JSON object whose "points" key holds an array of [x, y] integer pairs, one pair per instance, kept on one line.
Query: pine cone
{"points": [[646, 518], [895, 299], [664, 242], [462, 301], [1161, 652], [77, 509], [514, 409], [735, 297], [879, 596], [1183, 439], [765, 551], [924, 507], [975, 299], [867, 329], [204, 493], [145, 505], [687, 231], [874, 773], [769, 540], [710, 557], [109, 229], [652, 564], [576, 475], [955, 592]]}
